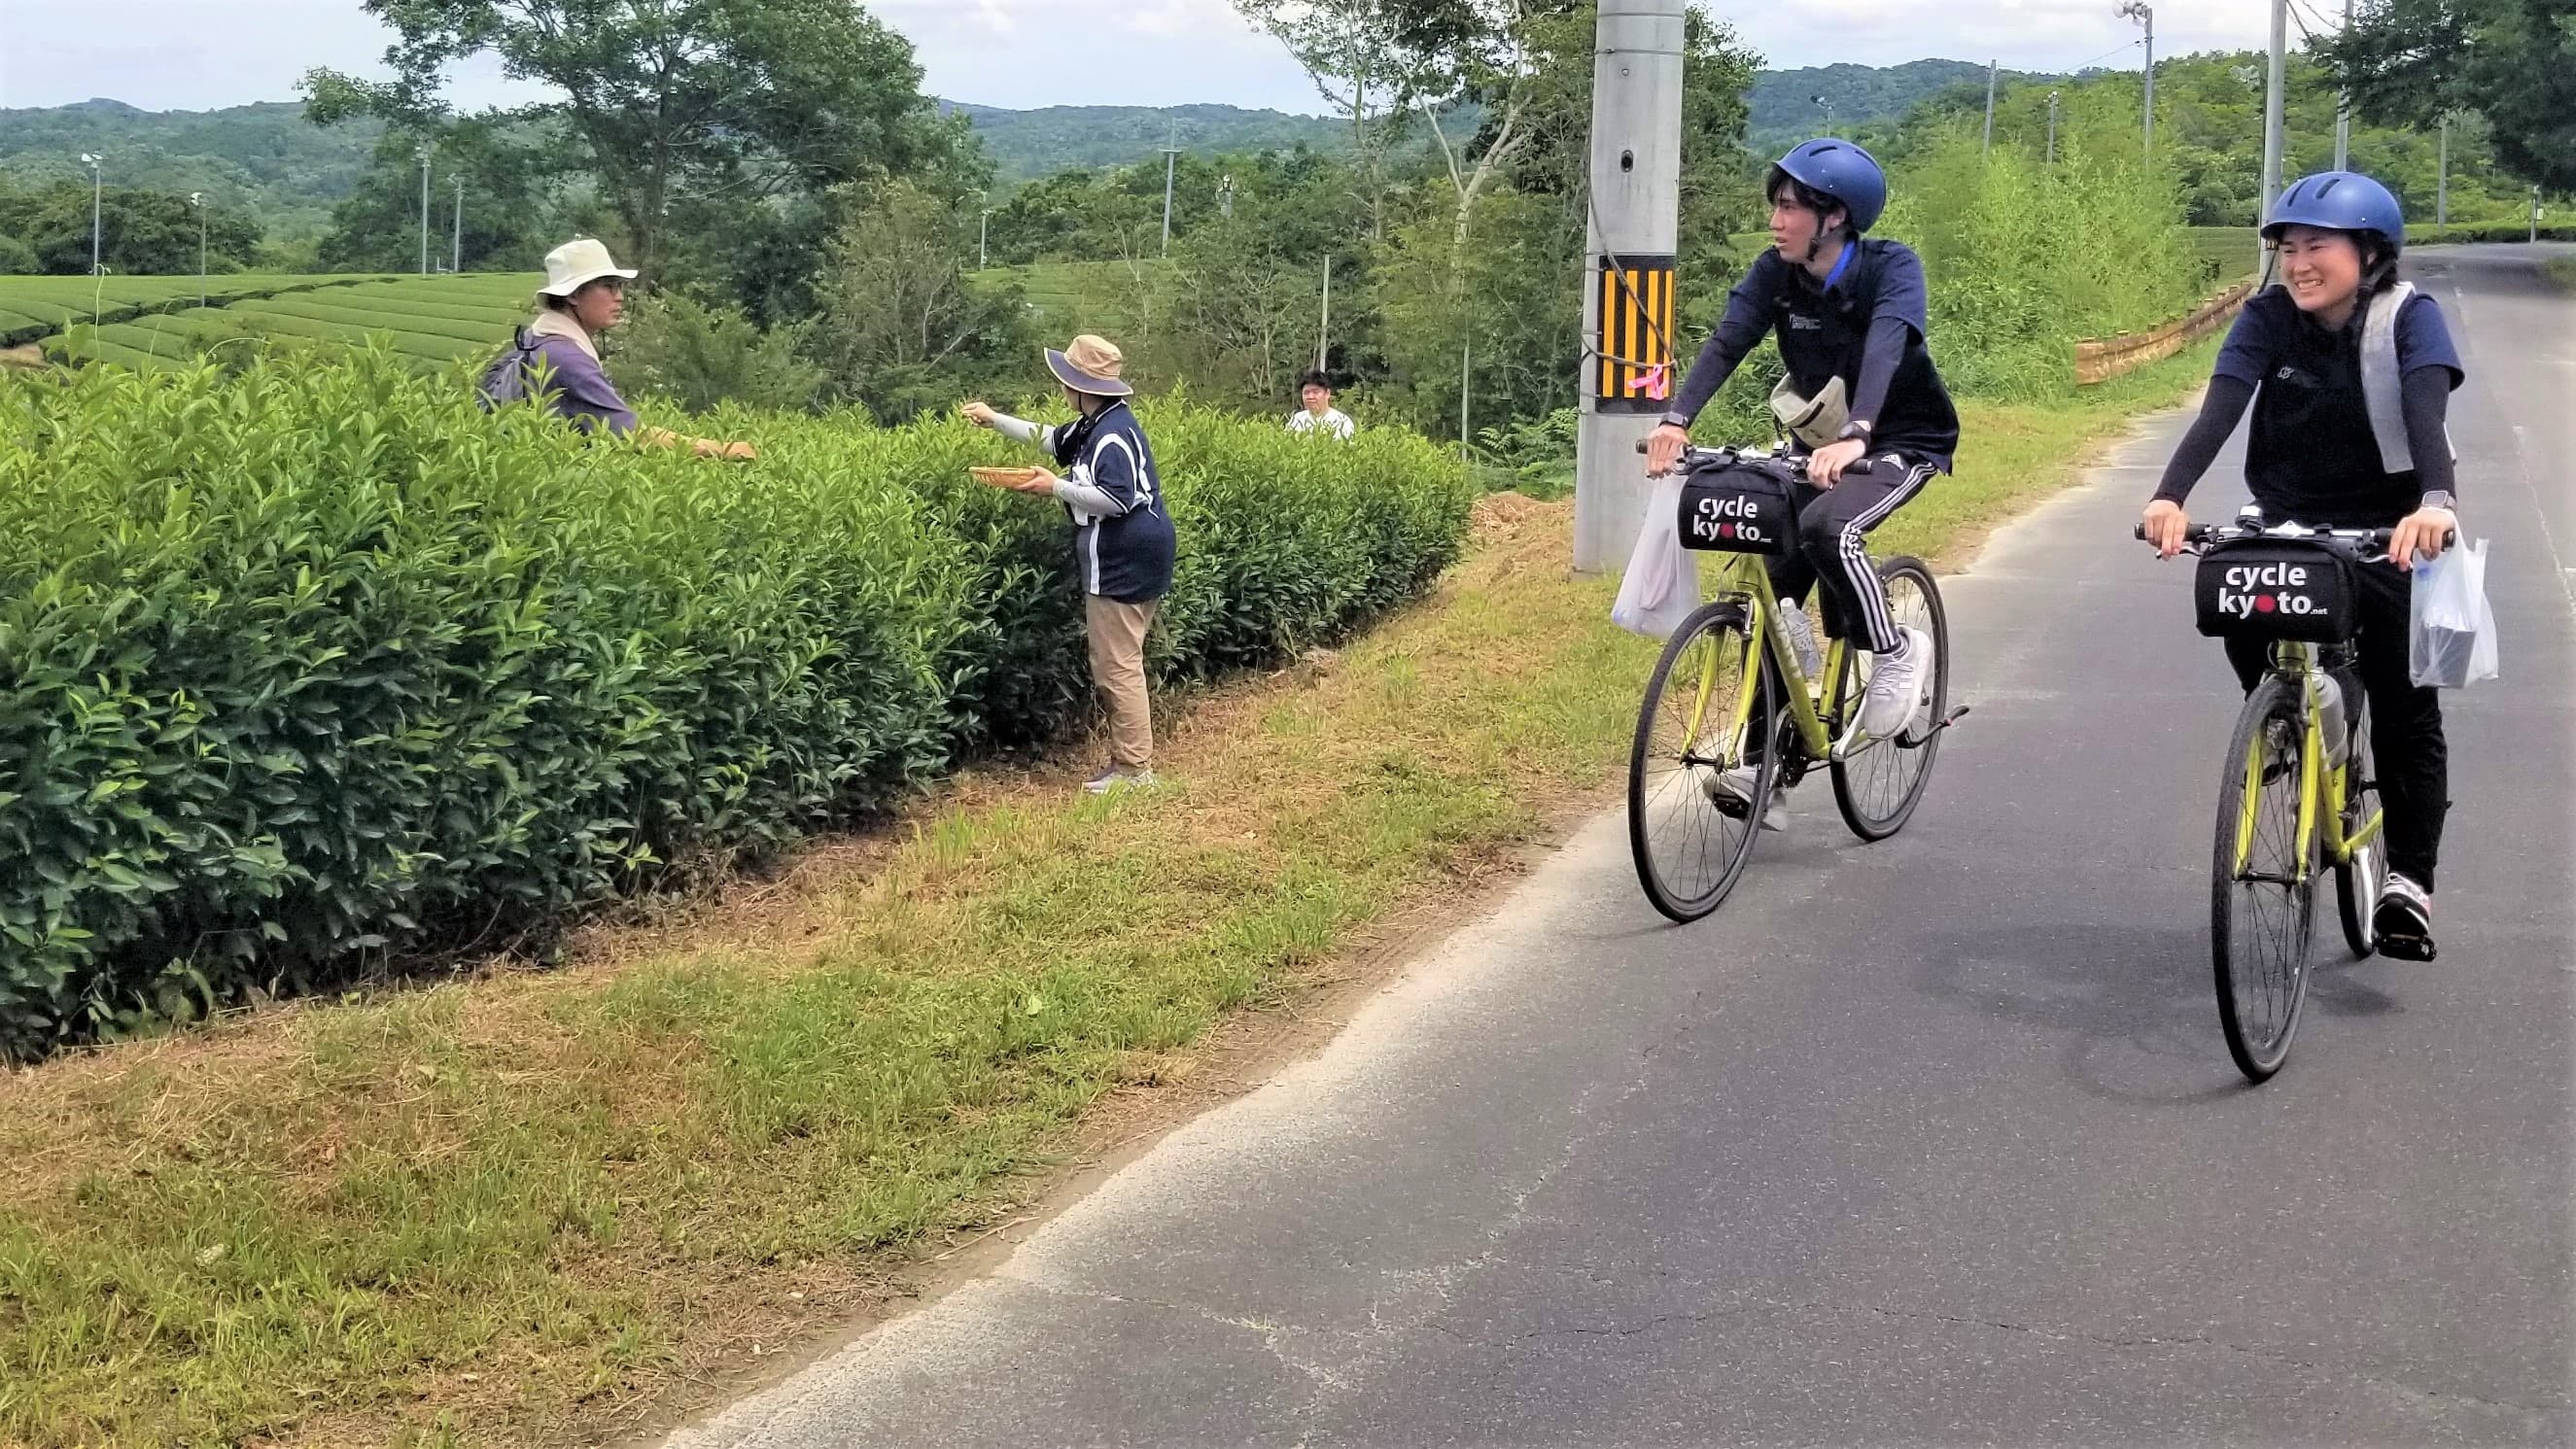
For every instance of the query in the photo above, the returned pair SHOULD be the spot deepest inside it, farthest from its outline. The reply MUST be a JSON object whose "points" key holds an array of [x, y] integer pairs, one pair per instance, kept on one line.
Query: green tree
{"points": [[2512, 61], [699, 357], [671, 104], [510, 211], [144, 233], [901, 328]]}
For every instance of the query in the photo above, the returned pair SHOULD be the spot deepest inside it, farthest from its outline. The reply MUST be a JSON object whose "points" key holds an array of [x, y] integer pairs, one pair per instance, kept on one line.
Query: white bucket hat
{"points": [[578, 263]]}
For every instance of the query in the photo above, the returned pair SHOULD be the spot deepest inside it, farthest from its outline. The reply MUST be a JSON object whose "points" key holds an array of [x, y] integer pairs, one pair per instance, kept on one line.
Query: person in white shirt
{"points": [[1319, 412]]}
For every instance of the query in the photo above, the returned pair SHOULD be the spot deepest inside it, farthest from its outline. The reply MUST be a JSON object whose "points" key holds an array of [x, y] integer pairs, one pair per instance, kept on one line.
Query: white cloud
{"points": [[201, 53]]}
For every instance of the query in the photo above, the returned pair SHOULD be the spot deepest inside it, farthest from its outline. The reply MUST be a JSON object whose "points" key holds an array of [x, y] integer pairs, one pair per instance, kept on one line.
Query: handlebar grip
{"points": [[2138, 531]]}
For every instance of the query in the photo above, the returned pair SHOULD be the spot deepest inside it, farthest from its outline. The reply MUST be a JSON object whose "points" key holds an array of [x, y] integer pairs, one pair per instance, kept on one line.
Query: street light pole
{"points": [[2442, 180], [197, 199], [97, 197], [2145, 15], [424, 209]]}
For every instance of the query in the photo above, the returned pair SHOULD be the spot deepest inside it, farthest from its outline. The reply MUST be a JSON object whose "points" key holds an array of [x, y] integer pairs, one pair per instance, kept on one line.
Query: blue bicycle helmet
{"points": [[2338, 201], [1832, 167]]}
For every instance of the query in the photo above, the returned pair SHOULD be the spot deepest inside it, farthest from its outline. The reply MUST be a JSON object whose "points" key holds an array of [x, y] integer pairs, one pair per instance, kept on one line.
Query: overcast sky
{"points": [[200, 54]]}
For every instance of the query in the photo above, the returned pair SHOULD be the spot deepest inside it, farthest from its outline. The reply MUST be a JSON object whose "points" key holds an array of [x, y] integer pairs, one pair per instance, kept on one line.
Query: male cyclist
{"points": [[2350, 374], [1849, 313]]}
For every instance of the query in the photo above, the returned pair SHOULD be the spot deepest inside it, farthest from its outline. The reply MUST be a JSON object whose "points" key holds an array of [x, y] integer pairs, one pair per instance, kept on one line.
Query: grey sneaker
{"points": [[1896, 685], [1114, 778], [1731, 791]]}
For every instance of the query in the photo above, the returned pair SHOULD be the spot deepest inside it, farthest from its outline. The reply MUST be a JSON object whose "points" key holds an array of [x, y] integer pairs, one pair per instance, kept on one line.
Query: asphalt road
{"points": [[1928, 1142]]}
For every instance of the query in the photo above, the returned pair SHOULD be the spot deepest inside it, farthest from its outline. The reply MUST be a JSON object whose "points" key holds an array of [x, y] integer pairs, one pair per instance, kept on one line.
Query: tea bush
{"points": [[318, 665]]}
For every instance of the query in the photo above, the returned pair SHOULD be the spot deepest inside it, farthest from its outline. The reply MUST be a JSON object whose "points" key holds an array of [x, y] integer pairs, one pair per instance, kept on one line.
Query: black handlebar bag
{"points": [[2277, 589], [1743, 506]]}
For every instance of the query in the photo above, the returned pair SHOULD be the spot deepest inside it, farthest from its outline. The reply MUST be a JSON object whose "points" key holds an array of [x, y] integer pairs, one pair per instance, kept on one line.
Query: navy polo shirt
{"points": [[2310, 455], [1823, 333], [1127, 554]]}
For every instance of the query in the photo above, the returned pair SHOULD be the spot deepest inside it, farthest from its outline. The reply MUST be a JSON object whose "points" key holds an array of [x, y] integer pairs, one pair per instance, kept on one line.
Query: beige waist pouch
{"points": [[1813, 421]]}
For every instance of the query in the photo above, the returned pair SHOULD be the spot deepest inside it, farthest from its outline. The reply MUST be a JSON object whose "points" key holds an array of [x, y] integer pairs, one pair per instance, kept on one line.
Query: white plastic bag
{"points": [[1661, 587], [2451, 636]]}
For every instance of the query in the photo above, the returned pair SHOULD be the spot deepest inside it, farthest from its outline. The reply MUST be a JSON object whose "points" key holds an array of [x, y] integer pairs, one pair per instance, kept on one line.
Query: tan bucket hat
{"points": [[1089, 364], [577, 264]]}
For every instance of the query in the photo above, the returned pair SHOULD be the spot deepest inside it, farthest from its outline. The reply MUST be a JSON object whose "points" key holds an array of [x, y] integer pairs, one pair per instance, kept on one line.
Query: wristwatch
{"points": [[2439, 499]]}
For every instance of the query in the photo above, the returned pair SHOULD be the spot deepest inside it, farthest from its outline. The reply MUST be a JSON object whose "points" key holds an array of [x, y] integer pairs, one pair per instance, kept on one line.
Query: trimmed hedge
{"points": [[2427, 236], [320, 665]]}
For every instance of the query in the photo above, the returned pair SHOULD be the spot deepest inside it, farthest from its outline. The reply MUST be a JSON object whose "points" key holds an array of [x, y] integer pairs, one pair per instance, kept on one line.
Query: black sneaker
{"points": [[2404, 920]]}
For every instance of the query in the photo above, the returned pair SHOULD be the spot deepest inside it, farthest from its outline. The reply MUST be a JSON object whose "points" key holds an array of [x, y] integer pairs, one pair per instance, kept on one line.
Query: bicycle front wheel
{"points": [[2358, 880], [1697, 785], [1878, 788], [2262, 899]]}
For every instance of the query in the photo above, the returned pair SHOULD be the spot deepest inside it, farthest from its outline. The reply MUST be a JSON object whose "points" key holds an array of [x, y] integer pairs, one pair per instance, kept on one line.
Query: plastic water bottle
{"points": [[2330, 719], [1802, 640]]}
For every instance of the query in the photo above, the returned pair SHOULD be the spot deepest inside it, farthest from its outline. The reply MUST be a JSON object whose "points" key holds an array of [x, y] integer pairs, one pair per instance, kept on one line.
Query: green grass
{"points": [[527, 1208]]}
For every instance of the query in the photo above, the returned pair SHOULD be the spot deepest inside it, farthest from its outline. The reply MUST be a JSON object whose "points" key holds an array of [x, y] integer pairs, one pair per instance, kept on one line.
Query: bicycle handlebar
{"points": [[1796, 464], [2365, 543]]}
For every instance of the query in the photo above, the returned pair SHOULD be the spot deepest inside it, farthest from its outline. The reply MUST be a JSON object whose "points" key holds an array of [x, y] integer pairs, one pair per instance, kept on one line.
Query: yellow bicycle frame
{"points": [[1743, 579], [2322, 792]]}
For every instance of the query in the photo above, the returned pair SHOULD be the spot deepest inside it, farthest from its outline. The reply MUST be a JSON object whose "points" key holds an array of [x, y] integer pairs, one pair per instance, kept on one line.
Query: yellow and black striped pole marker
{"points": [[1633, 360]]}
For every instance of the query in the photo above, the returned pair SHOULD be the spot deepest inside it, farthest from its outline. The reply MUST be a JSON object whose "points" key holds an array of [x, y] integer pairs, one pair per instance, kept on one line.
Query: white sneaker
{"points": [[1896, 688], [1731, 791], [2404, 920]]}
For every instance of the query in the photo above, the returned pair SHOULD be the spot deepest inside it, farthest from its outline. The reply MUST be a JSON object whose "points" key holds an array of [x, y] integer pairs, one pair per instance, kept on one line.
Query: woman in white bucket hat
{"points": [[556, 357], [1123, 543]]}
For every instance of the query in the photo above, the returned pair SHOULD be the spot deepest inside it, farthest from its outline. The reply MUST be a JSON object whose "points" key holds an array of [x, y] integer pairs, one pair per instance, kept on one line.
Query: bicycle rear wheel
{"points": [[1695, 725], [2358, 880], [1878, 788], [2262, 900]]}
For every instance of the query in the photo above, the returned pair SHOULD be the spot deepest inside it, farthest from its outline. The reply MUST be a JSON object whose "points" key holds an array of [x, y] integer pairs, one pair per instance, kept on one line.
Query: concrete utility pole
{"points": [[2145, 15], [456, 242], [983, 237], [1171, 155], [2343, 111], [424, 209], [2272, 89], [2052, 128], [1324, 329], [1633, 227], [1990, 108], [197, 199], [2535, 213]]}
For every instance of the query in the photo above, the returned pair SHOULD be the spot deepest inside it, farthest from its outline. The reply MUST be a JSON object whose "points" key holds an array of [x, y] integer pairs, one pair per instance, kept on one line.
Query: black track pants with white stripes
{"points": [[1832, 522]]}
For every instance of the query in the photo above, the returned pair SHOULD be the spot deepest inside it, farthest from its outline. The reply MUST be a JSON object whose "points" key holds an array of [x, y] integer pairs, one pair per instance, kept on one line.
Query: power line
{"points": [[2106, 55]]}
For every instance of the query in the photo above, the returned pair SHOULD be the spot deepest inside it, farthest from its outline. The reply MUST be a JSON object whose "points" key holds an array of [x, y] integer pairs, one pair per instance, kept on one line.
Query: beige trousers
{"points": [[1117, 635]]}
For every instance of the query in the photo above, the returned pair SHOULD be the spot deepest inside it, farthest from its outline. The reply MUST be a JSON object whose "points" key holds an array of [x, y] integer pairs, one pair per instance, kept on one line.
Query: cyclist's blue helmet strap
{"points": [[1837, 168], [2338, 201]]}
